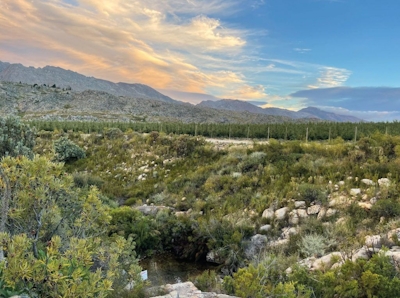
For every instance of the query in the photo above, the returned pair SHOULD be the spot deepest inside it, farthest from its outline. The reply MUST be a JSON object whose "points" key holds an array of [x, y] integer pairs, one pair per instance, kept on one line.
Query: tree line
{"points": [[312, 131]]}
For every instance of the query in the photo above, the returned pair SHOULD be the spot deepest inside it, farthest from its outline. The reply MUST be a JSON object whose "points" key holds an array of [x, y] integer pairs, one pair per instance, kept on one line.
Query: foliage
{"points": [[16, 138], [65, 150]]}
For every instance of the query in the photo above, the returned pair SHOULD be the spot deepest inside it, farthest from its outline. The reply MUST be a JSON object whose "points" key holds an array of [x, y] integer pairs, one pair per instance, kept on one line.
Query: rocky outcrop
{"points": [[188, 290]]}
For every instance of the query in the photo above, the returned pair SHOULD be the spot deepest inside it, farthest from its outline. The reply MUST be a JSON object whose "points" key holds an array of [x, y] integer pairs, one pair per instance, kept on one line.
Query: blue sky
{"points": [[339, 55]]}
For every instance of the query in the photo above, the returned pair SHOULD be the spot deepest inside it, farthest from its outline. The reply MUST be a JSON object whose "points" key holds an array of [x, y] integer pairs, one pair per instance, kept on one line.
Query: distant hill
{"points": [[51, 75], [54, 103], [310, 112], [330, 116]]}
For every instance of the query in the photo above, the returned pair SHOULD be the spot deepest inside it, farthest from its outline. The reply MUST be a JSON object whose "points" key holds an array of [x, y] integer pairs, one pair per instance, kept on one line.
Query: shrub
{"points": [[16, 138], [313, 245], [66, 150], [311, 193], [387, 208]]}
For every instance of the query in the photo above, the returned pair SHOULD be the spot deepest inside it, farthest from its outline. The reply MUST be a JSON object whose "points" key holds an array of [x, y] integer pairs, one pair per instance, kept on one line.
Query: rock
{"points": [[308, 262], [294, 218], [151, 210], [300, 204], [337, 201], [312, 210], [364, 197], [341, 183], [265, 228], [362, 253], [322, 213], [367, 181], [188, 290], [268, 213], [213, 257], [336, 187], [280, 214], [257, 243], [374, 241], [383, 182], [279, 242], [393, 237], [330, 212], [394, 253], [286, 232], [326, 262], [302, 213], [373, 200], [355, 191], [365, 206]]}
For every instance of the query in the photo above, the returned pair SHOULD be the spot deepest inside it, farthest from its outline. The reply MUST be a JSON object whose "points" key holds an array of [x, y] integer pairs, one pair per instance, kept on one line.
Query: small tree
{"points": [[66, 150], [16, 138]]}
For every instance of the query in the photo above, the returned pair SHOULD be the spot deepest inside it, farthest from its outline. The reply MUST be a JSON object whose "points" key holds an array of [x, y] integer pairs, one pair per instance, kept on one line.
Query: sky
{"points": [[338, 55]]}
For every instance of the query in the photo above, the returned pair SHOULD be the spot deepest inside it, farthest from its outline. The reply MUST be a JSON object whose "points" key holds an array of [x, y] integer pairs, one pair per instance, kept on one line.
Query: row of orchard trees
{"points": [[54, 238], [282, 131]]}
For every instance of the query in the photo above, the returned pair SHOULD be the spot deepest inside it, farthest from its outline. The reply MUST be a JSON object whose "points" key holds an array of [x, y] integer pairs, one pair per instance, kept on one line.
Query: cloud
{"points": [[301, 51], [246, 92], [369, 103], [331, 77], [151, 42]]}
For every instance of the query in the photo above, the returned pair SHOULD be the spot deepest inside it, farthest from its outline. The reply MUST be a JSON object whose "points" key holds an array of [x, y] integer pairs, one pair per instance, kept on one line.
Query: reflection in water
{"points": [[165, 269]]}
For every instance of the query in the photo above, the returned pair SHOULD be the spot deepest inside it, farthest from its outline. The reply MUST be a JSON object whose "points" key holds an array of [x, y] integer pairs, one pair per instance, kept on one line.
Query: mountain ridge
{"points": [[53, 75]]}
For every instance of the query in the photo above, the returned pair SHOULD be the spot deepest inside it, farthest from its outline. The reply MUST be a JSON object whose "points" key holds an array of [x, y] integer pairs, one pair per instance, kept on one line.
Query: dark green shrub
{"points": [[312, 193], [66, 150], [387, 208], [16, 138]]}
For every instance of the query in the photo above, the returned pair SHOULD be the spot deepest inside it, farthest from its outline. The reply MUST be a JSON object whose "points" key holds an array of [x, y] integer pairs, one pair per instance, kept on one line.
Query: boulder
{"points": [[330, 212], [355, 191], [256, 244], [286, 232], [383, 182], [302, 213], [294, 218], [326, 262], [321, 213], [280, 214], [268, 213], [367, 181], [300, 204], [394, 253], [312, 210], [374, 241], [265, 228], [366, 206], [151, 210], [213, 257], [362, 253]]}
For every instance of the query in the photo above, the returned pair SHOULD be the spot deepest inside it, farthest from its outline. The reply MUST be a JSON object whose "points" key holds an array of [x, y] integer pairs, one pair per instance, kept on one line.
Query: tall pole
{"points": [[355, 135], [307, 135]]}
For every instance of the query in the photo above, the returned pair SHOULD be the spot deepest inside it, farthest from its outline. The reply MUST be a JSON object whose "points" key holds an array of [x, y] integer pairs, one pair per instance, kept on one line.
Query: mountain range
{"points": [[139, 98]]}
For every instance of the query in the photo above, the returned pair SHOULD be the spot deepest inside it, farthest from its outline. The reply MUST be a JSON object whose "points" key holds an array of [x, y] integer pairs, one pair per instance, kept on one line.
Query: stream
{"points": [[166, 269]]}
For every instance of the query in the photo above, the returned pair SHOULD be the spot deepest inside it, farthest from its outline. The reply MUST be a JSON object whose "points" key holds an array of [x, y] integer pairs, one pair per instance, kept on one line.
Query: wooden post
{"points": [[229, 131], [195, 130], [268, 135], [307, 135], [355, 135], [286, 134], [329, 135], [248, 131]]}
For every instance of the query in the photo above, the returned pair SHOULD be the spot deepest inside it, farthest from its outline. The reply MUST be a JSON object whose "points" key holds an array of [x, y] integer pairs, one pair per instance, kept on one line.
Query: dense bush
{"points": [[16, 138], [65, 150]]}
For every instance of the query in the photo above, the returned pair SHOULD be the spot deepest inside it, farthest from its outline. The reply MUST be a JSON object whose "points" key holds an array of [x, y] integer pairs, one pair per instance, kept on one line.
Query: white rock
{"points": [[280, 214], [299, 204], [321, 213], [325, 262], [364, 253], [294, 217], [367, 181], [302, 213], [394, 253], [330, 212], [355, 191], [373, 200], [265, 228], [268, 213], [286, 232], [313, 209], [384, 182], [374, 241], [341, 183], [365, 206]]}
